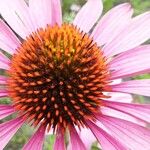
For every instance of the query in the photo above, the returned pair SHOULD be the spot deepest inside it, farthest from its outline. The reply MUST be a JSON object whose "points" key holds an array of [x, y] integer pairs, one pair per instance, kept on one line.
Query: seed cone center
{"points": [[58, 76]]}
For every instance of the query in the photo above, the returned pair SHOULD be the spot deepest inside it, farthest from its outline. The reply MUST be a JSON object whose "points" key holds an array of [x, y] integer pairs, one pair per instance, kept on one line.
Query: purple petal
{"points": [[88, 15], [8, 129], [8, 40], [41, 12], [37, 140], [139, 111], [107, 142], [17, 15], [3, 79], [4, 62], [112, 23], [59, 141], [131, 63], [136, 33], [141, 87], [56, 12], [6, 110], [3, 93], [133, 136], [76, 142]]}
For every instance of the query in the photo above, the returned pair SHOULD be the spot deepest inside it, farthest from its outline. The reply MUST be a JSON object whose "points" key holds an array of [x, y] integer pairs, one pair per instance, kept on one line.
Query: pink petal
{"points": [[59, 141], [133, 136], [36, 141], [41, 12], [120, 97], [3, 93], [122, 115], [87, 137], [141, 87], [8, 129], [107, 142], [132, 62], [6, 110], [136, 33], [112, 23], [16, 13], [3, 79], [139, 111], [4, 62], [8, 40], [56, 12], [88, 15], [76, 142]]}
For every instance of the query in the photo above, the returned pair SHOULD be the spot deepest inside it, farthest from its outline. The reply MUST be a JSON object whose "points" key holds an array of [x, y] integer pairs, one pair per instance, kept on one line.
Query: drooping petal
{"points": [[87, 137], [3, 79], [8, 40], [139, 111], [76, 142], [16, 13], [141, 87], [41, 12], [88, 15], [59, 141], [112, 23], [37, 140], [56, 12], [6, 110], [4, 62], [136, 33], [133, 136], [8, 129], [122, 115], [107, 142], [132, 62], [3, 93], [120, 97]]}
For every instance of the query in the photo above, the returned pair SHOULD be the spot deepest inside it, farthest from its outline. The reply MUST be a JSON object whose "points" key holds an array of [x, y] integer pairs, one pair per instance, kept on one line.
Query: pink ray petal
{"points": [[37, 140], [107, 141], [139, 111], [88, 15], [76, 142], [59, 141], [8, 40], [133, 136], [4, 62], [17, 15], [122, 115], [41, 12], [6, 110], [8, 129], [3, 93], [136, 33], [112, 23], [140, 87], [120, 97], [56, 12], [3, 79], [132, 62], [87, 137]]}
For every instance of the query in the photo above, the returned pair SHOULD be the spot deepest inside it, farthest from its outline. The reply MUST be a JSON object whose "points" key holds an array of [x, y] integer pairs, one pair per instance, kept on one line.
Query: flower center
{"points": [[58, 76]]}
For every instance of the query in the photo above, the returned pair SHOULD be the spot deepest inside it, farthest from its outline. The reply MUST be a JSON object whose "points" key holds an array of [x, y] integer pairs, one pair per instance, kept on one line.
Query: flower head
{"points": [[60, 76]]}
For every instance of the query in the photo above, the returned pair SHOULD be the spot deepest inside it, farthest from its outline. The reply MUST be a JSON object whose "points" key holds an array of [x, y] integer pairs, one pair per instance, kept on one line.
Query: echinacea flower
{"points": [[59, 75]]}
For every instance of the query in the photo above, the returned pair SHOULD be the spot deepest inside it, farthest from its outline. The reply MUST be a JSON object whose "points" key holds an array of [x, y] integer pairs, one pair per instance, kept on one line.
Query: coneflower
{"points": [[59, 75]]}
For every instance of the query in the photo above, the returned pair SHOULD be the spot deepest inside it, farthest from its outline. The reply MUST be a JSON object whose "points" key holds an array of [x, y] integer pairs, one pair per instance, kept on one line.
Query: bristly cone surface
{"points": [[58, 76]]}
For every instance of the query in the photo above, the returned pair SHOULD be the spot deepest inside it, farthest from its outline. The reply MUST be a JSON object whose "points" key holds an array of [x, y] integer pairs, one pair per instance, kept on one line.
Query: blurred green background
{"points": [[70, 8]]}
